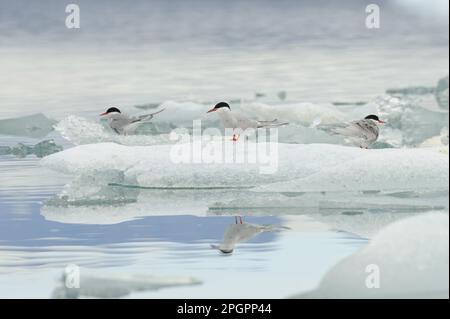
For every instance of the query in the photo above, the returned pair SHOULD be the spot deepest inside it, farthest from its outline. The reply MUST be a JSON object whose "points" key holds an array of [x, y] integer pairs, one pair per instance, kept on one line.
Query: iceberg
{"points": [[97, 285], [376, 170], [442, 93], [298, 168], [410, 258], [155, 167], [409, 121], [116, 204], [40, 149], [79, 131], [298, 113], [36, 126], [107, 209]]}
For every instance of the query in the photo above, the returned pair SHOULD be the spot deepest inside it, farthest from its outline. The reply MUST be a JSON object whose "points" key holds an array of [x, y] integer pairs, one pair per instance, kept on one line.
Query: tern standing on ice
{"points": [[123, 124], [362, 132], [239, 123]]}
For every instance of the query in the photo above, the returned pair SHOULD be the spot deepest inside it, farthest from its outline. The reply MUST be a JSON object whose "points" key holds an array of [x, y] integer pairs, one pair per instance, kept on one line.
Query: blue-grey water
{"points": [[129, 53]]}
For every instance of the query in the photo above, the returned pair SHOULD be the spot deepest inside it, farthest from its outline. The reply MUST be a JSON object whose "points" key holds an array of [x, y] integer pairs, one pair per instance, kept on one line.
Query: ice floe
{"points": [[407, 259], [297, 168], [115, 204], [442, 93], [97, 285], [410, 121], [40, 149], [36, 125], [79, 130]]}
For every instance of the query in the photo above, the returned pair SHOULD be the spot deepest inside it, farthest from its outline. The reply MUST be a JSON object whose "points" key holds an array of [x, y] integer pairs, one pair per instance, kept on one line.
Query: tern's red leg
{"points": [[240, 220]]}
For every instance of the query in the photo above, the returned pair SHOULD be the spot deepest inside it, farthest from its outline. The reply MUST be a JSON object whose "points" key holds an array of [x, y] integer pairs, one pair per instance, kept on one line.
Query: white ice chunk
{"points": [[94, 285], [410, 256], [375, 170], [299, 168], [442, 93], [79, 130], [36, 125]]}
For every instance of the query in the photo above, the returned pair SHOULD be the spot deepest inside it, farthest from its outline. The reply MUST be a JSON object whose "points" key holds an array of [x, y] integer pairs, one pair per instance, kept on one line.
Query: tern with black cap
{"points": [[123, 124], [239, 123], [363, 132]]}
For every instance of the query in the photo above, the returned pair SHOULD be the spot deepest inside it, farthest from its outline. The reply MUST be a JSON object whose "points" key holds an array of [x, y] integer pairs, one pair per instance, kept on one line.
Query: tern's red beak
{"points": [[212, 110], [104, 113], [381, 122]]}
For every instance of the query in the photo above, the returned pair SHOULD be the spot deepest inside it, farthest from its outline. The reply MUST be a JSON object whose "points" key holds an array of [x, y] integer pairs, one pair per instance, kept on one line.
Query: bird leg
{"points": [[235, 137]]}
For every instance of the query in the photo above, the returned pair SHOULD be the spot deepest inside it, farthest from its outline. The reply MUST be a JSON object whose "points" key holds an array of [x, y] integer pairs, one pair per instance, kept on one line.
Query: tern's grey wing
{"points": [[368, 130], [245, 123], [118, 123], [365, 131], [228, 120]]}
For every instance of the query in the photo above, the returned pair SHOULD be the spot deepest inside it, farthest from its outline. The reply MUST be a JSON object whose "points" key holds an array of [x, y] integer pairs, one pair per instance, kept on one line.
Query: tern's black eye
{"points": [[221, 105]]}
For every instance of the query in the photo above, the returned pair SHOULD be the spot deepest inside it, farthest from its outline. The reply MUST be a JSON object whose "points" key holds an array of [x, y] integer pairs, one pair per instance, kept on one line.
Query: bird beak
{"points": [[212, 110], [104, 113], [381, 122]]}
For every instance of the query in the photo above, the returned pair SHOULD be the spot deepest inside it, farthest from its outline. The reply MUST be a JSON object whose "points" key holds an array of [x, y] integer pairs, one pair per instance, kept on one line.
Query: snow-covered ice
{"points": [[35, 125], [300, 168], [412, 260], [97, 285]]}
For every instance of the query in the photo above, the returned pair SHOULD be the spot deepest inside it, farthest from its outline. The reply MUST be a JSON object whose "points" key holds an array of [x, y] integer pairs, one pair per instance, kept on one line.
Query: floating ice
{"points": [[442, 93], [115, 204], [36, 125], [116, 286], [73, 208], [94, 189], [375, 170], [413, 90], [299, 168], [299, 113], [41, 149], [153, 166], [411, 257], [409, 121], [79, 130], [439, 141]]}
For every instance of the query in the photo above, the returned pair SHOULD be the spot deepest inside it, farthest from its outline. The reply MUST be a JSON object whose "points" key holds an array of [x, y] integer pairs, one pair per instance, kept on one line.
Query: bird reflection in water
{"points": [[242, 232]]}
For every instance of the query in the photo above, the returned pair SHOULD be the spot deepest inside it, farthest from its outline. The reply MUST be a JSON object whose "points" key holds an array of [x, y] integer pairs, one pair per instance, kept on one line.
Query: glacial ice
{"points": [[442, 93], [36, 126], [297, 168], [386, 170], [76, 209], [97, 285], [411, 255], [101, 204], [79, 131], [409, 121], [40, 149], [299, 113]]}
